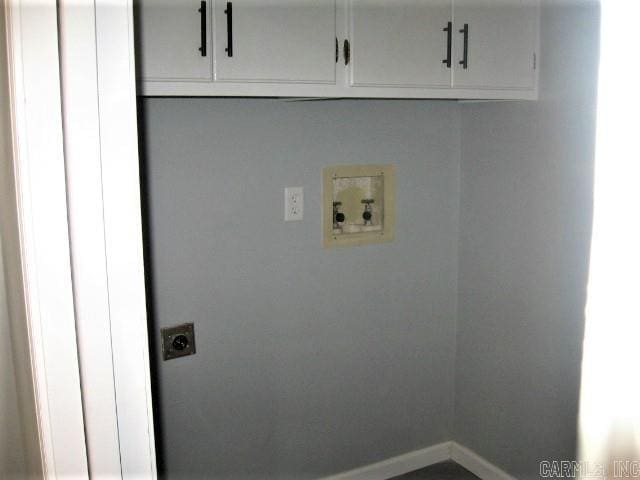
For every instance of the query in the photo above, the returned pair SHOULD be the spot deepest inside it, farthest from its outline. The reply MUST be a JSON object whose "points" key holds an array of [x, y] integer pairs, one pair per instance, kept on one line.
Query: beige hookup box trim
{"points": [[352, 190]]}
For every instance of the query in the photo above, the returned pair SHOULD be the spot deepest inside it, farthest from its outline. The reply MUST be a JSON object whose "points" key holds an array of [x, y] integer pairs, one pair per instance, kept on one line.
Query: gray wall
{"points": [[309, 361], [525, 212], [12, 460]]}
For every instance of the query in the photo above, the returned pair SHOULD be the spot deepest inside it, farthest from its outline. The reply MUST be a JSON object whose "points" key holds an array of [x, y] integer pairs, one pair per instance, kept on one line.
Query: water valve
{"points": [[366, 215], [357, 204], [338, 216]]}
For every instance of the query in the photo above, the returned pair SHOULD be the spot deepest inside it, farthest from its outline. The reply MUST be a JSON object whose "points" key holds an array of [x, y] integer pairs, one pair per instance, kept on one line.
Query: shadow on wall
{"points": [[12, 461], [526, 214]]}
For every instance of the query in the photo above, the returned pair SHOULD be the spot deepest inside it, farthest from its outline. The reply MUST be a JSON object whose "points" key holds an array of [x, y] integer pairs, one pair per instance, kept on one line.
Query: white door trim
{"points": [[101, 143], [123, 235], [32, 44], [79, 78]]}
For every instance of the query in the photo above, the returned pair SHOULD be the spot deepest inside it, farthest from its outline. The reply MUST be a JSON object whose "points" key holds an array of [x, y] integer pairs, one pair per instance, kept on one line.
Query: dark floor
{"points": [[448, 470]]}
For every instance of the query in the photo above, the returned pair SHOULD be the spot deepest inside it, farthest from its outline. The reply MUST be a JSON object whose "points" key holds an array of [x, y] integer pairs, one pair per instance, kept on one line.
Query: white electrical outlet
{"points": [[293, 204]]}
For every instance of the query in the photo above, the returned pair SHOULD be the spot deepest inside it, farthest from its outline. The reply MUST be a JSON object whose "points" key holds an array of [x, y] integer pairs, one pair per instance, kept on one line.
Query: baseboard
{"points": [[408, 462], [398, 465], [476, 464]]}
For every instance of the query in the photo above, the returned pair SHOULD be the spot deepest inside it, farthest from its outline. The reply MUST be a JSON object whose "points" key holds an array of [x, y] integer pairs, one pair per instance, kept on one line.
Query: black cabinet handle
{"points": [[465, 52], [229, 13], [347, 52], [449, 30], [203, 28]]}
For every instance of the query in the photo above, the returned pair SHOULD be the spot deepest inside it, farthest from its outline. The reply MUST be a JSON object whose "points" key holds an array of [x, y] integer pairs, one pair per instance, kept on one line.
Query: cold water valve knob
{"points": [[367, 215]]}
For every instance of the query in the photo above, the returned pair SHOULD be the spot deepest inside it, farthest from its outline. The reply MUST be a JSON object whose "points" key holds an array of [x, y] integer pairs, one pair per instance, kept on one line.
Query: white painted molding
{"points": [[80, 107], [476, 464], [114, 42], [398, 465], [38, 158], [98, 75], [305, 90], [411, 461]]}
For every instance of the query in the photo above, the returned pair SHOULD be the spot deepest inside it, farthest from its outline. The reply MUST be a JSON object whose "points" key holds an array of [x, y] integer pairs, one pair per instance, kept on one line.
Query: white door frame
{"points": [[32, 51], [78, 195], [101, 149]]}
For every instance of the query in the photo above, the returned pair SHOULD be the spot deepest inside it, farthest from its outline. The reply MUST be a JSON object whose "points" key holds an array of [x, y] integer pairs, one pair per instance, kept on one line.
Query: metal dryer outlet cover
{"points": [[178, 341]]}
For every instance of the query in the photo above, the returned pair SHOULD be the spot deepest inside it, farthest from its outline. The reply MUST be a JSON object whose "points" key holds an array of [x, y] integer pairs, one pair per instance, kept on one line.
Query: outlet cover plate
{"points": [[293, 204], [184, 333]]}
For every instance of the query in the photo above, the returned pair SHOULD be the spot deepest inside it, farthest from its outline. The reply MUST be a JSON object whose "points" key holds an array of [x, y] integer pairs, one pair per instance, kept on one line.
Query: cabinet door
{"points": [[501, 43], [170, 35], [399, 43], [275, 41]]}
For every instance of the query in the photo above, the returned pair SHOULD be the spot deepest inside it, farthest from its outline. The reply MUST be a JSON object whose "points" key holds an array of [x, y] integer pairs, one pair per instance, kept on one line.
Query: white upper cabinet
{"points": [[464, 49], [400, 43], [495, 44], [171, 35], [291, 41]]}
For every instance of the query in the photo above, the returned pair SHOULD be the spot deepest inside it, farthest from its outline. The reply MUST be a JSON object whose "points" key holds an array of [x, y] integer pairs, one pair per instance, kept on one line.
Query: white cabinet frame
{"points": [[342, 88]]}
